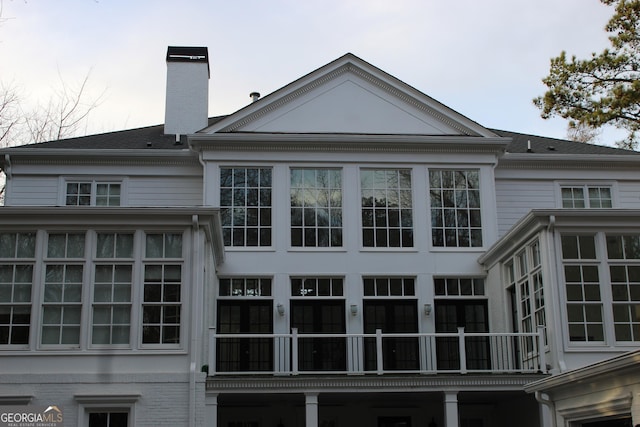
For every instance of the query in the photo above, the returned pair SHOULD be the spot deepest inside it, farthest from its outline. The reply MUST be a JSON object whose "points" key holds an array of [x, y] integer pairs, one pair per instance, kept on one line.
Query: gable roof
{"points": [[349, 96]]}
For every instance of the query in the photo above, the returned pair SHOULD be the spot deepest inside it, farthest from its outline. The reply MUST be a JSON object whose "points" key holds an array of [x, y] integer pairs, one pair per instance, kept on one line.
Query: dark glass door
{"points": [[472, 316], [395, 317], [244, 354], [320, 317]]}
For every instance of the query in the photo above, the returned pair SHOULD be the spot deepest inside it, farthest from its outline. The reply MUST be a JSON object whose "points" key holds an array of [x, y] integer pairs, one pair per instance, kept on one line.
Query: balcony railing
{"points": [[377, 354]]}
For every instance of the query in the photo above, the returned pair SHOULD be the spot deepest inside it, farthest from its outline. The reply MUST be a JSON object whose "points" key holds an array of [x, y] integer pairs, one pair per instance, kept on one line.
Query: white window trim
{"points": [[122, 180], [88, 403], [613, 185], [89, 261]]}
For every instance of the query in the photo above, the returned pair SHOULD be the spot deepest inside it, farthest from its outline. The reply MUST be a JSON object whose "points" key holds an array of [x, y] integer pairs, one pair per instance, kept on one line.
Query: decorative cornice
{"points": [[279, 384]]}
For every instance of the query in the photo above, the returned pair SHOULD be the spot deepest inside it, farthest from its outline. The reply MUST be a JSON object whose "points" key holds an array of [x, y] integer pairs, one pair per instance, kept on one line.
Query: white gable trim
{"points": [[354, 65]]}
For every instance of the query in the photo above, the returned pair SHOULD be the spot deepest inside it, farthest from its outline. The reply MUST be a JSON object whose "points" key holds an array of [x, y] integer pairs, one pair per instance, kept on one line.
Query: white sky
{"points": [[483, 58]]}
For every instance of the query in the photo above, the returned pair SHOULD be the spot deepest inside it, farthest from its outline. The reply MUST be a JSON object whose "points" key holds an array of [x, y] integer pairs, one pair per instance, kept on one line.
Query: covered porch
{"points": [[377, 401]]}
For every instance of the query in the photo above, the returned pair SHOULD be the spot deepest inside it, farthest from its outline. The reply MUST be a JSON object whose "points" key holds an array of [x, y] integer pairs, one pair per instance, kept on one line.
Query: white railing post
{"points": [[542, 360], [294, 351], [212, 351], [379, 357], [463, 351]]}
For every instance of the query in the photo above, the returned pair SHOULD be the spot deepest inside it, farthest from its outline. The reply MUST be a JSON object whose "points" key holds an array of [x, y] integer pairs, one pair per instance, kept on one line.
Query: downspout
{"points": [[544, 399], [204, 180], [7, 175], [195, 289]]}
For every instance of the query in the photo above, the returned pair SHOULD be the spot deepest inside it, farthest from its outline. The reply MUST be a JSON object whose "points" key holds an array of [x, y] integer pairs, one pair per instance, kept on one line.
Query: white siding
{"points": [[32, 191], [515, 198], [165, 191], [629, 194]]}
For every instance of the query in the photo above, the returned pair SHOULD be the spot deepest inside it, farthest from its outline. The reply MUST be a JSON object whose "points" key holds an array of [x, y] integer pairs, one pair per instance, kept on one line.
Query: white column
{"points": [[211, 410], [451, 409], [311, 409]]}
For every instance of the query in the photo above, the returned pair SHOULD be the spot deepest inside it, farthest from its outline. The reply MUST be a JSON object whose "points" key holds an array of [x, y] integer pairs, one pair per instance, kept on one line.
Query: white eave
{"points": [[562, 161], [345, 142]]}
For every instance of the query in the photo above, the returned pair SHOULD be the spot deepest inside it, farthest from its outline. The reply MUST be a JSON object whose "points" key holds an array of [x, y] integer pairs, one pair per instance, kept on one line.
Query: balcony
{"points": [[376, 354]]}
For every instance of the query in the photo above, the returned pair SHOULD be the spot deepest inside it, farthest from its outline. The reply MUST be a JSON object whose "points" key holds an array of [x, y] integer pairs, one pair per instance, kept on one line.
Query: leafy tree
{"points": [[604, 89]]}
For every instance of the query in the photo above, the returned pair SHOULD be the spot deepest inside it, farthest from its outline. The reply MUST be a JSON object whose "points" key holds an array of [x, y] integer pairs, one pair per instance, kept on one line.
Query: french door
{"points": [[320, 317], [395, 317], [244, 354], [472, 316]]}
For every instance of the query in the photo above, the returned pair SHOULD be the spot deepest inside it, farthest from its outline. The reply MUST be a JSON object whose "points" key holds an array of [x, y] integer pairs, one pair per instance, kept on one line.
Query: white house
{"points": [[343, 251]]}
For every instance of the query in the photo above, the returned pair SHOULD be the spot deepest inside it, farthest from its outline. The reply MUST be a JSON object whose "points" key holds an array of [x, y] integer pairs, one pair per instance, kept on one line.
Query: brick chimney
{"points": [[187, 97]]}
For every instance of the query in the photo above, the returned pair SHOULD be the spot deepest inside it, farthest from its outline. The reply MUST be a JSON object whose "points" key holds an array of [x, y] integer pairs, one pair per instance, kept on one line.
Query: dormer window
{"points": [[92, 193]]}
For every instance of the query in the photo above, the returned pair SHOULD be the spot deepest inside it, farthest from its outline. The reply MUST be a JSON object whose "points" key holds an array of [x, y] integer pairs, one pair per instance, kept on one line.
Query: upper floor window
{"points": [[245, 203], [316, 207], [113, 282], [62, 301], [455, 208], [17, 252], [387, 213], [162, 300], [92, 193], [586, 196]]}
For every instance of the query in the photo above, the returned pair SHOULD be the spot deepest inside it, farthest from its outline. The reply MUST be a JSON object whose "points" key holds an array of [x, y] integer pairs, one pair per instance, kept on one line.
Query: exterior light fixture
{"points": [[280, 309], [354, 309], [427, 309]]}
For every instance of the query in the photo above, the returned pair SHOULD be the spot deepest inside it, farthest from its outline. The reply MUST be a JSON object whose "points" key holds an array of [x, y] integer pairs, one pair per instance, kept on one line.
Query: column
{"points": [[451, 409], [311, 409], [211, 410]]}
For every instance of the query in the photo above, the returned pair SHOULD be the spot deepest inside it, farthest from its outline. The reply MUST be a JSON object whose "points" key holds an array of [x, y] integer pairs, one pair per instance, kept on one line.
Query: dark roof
{"points": [[544, 145], [149, 137], [153, 137]]}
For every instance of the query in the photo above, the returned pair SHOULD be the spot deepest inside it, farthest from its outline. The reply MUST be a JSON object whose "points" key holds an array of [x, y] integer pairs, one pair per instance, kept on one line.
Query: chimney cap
{"points": [[188, 54]]}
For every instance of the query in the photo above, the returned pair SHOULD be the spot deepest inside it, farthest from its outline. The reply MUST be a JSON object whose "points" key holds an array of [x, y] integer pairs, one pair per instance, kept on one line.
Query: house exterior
{"points": [[343, 251]]}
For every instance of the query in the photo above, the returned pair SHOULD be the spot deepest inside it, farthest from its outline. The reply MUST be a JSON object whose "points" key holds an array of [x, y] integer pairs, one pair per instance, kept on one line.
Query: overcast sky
{"points": [[483, 58]]}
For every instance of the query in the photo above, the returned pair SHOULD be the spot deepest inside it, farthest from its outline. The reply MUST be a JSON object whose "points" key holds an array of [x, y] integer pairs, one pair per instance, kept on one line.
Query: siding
{"points": [[165, 191], [515, 198], [32, 191]]}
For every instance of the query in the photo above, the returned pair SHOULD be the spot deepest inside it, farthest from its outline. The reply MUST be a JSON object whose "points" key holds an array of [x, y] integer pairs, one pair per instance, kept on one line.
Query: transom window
{"points": [[586, 196], [387, 213], [455, 208], [245, 287], [245, 203], [452, 286], [317, 287], [389, 286], [17, 252], [316, 207], [92, 193]]}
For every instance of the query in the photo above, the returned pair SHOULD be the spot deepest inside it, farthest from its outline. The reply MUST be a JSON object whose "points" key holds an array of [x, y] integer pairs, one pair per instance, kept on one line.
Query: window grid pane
{"points": [[161, 307], [317, 287], [245, 203], [111, 319], [623, 252], [455, 208], [316, 207], [582, 287], [240, 287], [16, 282], [389, 286], [387, 208]]}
